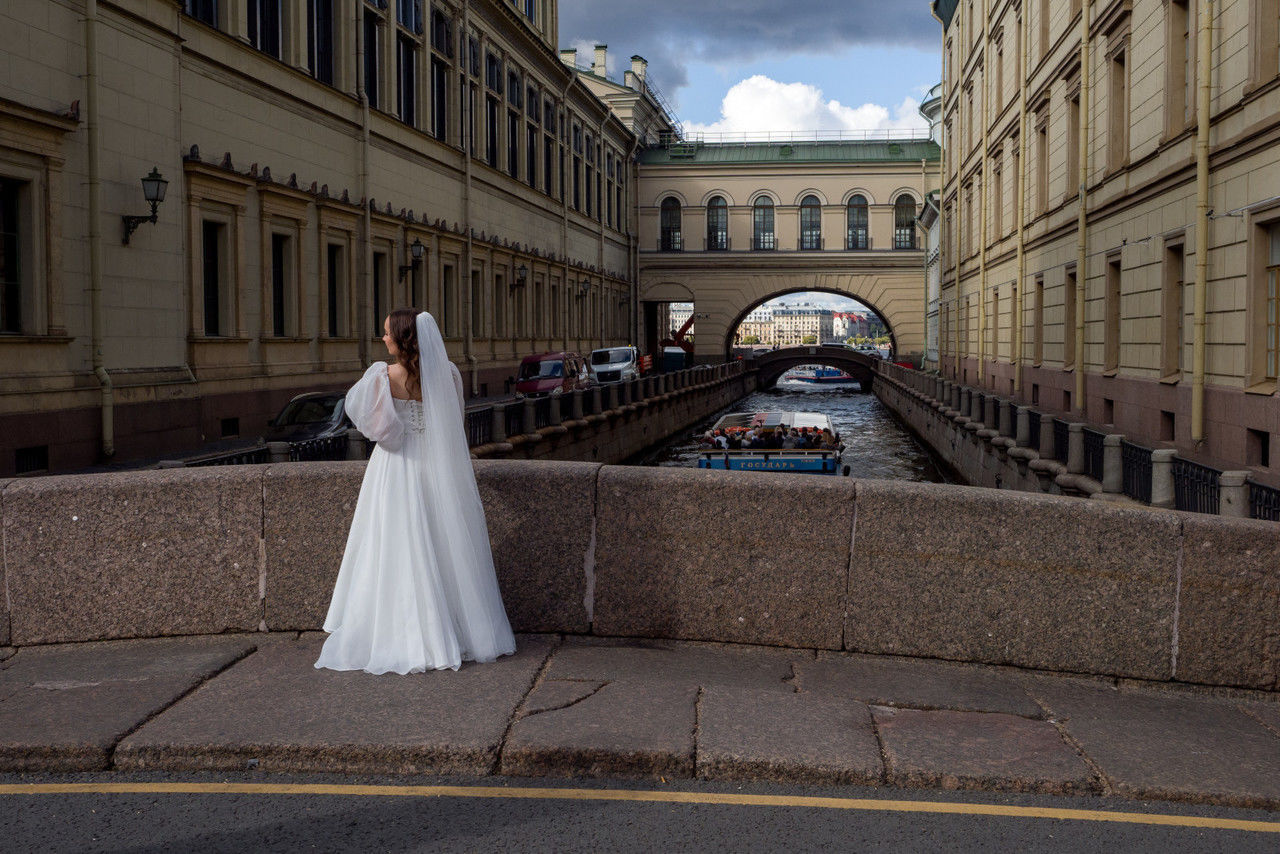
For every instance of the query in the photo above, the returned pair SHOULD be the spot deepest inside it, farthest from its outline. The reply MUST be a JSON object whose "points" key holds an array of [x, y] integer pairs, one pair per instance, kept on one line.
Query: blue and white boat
{"points": [[818, 374], [798, 460]]}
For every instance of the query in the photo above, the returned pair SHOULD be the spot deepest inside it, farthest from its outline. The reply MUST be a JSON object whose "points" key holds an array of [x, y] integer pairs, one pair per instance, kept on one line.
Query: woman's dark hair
{"points": [[403, 323]]}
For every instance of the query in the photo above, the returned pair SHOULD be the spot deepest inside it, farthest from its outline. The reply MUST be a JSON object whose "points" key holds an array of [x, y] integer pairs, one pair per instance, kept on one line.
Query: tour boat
{"points": [[817, 374], [799, 460]]}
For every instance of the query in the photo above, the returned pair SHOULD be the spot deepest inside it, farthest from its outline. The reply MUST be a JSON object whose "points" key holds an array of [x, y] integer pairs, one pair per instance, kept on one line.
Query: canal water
{"points": [[875, 444]]}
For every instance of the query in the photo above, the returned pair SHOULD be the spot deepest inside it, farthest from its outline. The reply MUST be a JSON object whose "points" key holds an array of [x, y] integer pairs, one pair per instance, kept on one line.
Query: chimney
{"points": [[569, 57], [597, 65], [639, 67]]}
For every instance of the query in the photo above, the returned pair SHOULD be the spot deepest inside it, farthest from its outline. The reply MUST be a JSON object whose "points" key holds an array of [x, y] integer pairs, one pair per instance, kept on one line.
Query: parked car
{"points": [[314, 415], [551, 373], [615, 364]]}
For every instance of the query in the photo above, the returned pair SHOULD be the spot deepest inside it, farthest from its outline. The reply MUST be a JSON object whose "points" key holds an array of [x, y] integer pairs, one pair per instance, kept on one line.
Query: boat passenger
{"points": [[791, 440], [735, 441]]}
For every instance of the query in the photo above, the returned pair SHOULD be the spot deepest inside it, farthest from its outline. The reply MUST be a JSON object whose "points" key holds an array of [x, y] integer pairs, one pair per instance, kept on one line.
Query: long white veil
{"points": [[459, 531]]}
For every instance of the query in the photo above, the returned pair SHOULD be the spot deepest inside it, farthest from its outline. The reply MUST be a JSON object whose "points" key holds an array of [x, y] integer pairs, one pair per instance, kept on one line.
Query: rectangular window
{"points": [[281, 280], [1111, 329], [993, 328], [381, 297], [335, 288], [203, 10], [409, 15], [491, 131], [1037, 322], [264, 26], [477, 303], [1272, 310], [1179, 99], [1069, 318], [214, 255], [1042, 165], [407, 75], [1118, 114], [531, 155], [448, 298], [997, 198], [1172, 310], [513, 144], [1071, 184], [11, 250], [441, 33], [371, 60], [500, 298], [548, 163], [439, 100], [320, 40]]}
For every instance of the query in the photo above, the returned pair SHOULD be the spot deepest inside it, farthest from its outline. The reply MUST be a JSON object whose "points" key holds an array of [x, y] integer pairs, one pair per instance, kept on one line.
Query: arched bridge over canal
{"points": [[775, 363]]}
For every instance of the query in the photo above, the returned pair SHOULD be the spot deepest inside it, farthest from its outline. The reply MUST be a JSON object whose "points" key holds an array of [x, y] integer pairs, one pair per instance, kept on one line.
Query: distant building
{"points": [[793, 324]]}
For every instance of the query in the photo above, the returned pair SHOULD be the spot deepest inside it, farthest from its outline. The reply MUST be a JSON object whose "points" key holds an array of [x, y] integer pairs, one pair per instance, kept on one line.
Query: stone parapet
{"points": [[976, 575]]}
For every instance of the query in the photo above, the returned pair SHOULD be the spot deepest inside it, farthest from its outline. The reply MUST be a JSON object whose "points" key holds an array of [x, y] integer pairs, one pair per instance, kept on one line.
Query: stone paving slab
{"points": [[6, 652], [689, 664], [276, 708], [975, 750], [1266, 713], [63, 708], [916, 683], [754, 734], [636, 728], [1159, 745]]}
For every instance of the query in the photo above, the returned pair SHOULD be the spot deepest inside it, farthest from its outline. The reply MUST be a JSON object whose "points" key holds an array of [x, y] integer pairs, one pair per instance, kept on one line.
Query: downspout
{"points": [[366, 217], [95, 228], [1203, 92], [982, 203], [570, 289], [1082, 241], [1024, 36], [468, 340], [943, 225]]}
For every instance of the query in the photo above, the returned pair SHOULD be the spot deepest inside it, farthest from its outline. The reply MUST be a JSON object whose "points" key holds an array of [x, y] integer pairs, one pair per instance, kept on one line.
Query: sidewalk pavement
{"points": [[575, 707]]}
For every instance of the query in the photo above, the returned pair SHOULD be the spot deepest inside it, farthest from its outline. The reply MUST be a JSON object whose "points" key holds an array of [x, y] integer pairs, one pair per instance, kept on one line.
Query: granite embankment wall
{"points": [[801, 561]]}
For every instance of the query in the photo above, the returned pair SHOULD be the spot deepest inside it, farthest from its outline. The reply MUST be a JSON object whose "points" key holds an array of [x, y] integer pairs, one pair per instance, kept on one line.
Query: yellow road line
{"points": [[641, 796]]}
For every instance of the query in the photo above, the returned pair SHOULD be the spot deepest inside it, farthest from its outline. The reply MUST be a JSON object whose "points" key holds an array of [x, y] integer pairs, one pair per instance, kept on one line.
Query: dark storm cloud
{"points": [[669, 33]]}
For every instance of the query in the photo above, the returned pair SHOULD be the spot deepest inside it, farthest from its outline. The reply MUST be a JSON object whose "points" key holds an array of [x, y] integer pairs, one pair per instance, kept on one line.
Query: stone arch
{"points": [[904, 191], [884, 316], [674, 194], [812, 191], [711, 194], [857, 191], [668, 291], [764, 194]]}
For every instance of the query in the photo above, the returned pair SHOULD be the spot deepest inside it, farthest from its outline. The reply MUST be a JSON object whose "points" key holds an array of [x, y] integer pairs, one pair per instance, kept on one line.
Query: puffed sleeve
{"points": [[457, 384], [370, 408]]}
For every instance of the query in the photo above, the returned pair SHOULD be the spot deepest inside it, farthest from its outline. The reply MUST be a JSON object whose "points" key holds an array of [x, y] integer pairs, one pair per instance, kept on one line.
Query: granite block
{"points": [[307, 510], [277, 708], [5, 633], [722, 556], [1165, 746], [134, 554], [64, 708], [915, 683], [1230, 602], [540, 517], [696, 665], [974, 750], [626, 728], [754, 734], [1000, 577]]}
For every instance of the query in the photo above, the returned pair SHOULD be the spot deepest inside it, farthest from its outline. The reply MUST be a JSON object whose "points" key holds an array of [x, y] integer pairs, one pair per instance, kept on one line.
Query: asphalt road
{"points": [[252, 812]]}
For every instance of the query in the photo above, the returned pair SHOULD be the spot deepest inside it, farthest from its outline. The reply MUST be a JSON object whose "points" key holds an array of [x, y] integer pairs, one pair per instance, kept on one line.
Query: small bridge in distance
{"points": [[775, 363]]}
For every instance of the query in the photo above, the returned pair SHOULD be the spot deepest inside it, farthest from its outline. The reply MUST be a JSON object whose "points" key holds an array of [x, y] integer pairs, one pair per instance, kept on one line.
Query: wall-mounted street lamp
{"points": [[522, 277], [153, 187], [416, 251]]}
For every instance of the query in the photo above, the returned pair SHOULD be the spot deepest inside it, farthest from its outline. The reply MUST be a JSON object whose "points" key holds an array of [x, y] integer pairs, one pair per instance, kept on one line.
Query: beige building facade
{"points": [[1111, 215], [728, 225], [325, 163]]}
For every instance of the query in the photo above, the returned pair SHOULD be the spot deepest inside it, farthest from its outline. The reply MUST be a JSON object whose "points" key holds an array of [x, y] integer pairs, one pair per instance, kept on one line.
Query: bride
{"points": [[416, 590]]}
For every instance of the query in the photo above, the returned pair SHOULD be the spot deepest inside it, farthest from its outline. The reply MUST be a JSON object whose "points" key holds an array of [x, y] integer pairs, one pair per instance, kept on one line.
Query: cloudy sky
{"points": [[761, 65]]}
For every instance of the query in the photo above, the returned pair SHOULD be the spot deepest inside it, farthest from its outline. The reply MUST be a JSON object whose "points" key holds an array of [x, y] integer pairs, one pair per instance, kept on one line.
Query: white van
{"points": [[615, 364]]}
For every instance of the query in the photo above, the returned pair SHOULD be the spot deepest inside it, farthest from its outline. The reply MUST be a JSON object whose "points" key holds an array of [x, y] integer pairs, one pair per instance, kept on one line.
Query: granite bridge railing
{"points": [[944, 572]]}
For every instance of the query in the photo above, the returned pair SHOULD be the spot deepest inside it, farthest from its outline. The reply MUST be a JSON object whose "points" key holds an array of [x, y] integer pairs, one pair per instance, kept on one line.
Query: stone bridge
{"points": [[772, 365], [924, 570]]}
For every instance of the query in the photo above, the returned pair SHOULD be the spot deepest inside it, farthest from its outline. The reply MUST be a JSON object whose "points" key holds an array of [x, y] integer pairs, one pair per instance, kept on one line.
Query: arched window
{"points": [[762, 224], [810, 223], [857, 237], [717, 223], [671, 239], [904, 223]]}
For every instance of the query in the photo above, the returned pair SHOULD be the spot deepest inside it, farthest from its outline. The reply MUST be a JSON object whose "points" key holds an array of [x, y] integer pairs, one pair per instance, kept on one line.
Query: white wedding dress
{"points": [[416, 590]]}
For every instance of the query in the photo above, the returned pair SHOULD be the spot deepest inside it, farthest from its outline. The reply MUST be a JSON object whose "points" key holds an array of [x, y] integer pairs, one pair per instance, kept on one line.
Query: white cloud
{"points": [[760, 104]]}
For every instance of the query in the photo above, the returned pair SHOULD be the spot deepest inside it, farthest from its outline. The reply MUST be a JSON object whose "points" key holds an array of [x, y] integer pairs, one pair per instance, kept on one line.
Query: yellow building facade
{"points": [[326, 161], [1111, 215]]}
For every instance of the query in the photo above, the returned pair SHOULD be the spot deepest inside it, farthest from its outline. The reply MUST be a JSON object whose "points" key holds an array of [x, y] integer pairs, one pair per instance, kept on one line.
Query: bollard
{"points": [[612, 399], [966, 395], [1112, 464], [1022, 428], [1162, 478], [957, 397], [990, 412], [1047, 449], [555, 410], [1007, 427], [499, 428], [530, 416], [596, 408], [1233, 494], [575, 407], [1075, 448], [279, 451], [355, 444]]}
